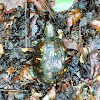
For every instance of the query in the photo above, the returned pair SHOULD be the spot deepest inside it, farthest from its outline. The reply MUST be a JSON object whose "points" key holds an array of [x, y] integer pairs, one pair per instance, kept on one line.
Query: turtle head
{"points": [[49, 30]]}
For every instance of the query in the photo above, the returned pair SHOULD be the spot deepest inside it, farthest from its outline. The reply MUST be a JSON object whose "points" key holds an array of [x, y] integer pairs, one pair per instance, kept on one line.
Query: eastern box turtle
{"points": [[49, 61]]}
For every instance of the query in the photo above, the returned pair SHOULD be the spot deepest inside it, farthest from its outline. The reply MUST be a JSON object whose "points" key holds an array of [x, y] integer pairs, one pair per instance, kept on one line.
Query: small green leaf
{"points": [[61, 5]]}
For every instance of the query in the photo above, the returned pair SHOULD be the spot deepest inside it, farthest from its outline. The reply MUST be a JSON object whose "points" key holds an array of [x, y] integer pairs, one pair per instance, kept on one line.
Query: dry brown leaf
{"points": [[51, 3], [13, 92], [79, 97], [27, 49], [25, 73], [32, 14], [7, 87], [95, 24], [0, 17], [40, 5], [81, 59], [91, 97], [1, 7], [97, 78], [1, 11], [7, 35], [15, 79], [69, 44], [10, 70], [95, 64], [10, 4], [60, 33], [73, 16], [51, 94], [1, 50], [35, 95], [64, 86], [6, 25]]}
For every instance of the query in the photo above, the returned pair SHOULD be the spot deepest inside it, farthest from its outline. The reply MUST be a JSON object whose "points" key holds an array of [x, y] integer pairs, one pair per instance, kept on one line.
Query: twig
{"points": [[0, 38], [25, 24], [13, 90]]}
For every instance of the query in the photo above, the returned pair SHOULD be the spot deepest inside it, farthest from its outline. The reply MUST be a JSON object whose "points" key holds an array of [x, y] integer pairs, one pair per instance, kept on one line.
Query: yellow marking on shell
{"points": [[49, 74], [55, 53], [60, 73], [39, 59], [65, 70], [66, 58], [41, 49], [63, 49], [50, 65], [52, 82], [59, 52], [57, 65], [60, 33]]}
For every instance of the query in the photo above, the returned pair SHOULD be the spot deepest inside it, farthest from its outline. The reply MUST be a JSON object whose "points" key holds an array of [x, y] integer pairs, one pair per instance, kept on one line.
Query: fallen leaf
{"points": [[40, 5], [27, 49], [10, 70], [73, 16], [32, 14], [95, 24], [6, 25], [64, 86], [1, 7], [3, 75], [51, 3], [33, 25], [11, 4], [95, 64], [60, 33], [15, 79], [35, 95], [91, 97], [1, 17], [81, 59], [1, 11], [1, 50], [97, 78], [25, 73], [95, 44], [79, 97], [50, 94], [89, 16], [13, 92], [69, 44]]}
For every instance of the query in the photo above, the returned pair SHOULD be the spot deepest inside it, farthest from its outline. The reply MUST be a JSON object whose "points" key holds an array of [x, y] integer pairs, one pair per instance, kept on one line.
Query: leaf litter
{"points": [[83, 73]]}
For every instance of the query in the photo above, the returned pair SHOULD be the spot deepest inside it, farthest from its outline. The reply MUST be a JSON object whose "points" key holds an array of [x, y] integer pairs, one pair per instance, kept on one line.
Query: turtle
{"points": [[50, 58]]}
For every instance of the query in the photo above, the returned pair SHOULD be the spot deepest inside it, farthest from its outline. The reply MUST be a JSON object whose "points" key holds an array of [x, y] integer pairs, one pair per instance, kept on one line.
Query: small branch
{"points": [[25, 24]]}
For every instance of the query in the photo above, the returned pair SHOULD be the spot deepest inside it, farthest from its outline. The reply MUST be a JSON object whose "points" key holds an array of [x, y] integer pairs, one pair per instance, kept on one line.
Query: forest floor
{"points": [[21, 26]]}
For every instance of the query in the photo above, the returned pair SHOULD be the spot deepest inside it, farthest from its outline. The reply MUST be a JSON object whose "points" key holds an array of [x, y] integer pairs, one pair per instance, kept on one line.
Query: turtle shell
{"points": [[49, 61]]}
